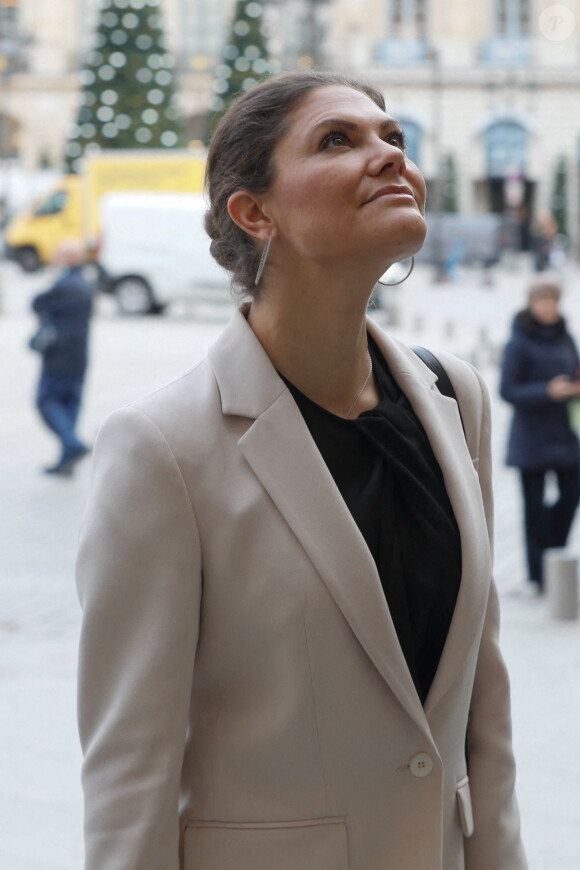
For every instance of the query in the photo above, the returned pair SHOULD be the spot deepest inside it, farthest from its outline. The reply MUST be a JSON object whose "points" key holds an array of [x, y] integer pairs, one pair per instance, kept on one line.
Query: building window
{"points": [[8, 22], [8, 10], [408, 19], [509, 44], [412, 133], [406, 41], [512, 18], [506, 145], [12, 40]]}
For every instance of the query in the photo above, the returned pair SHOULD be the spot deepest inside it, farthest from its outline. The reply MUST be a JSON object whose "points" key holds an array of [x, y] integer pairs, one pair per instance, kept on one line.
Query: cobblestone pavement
{"points": [[40, 799]]}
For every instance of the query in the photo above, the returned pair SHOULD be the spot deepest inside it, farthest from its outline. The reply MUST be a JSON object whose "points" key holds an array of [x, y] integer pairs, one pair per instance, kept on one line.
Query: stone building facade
{"points": [[496, 86], [493, 87]]}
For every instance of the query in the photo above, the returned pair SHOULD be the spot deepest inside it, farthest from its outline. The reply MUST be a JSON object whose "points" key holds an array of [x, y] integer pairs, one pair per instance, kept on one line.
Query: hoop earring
{"points": [[262, 262], [394, 283]]}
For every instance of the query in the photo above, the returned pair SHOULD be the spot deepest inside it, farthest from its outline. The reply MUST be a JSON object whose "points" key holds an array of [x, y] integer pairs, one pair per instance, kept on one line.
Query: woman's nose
{"points": [[386, 156]]}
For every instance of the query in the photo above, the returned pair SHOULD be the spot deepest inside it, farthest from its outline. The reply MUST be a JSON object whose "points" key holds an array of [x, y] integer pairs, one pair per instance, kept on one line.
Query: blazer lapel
{"points": [[284, 457], [440, 419], [278, 447]]}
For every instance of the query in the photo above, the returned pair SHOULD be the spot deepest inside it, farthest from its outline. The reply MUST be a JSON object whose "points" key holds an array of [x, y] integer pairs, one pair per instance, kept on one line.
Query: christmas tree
{"points": [[128, 98], [245, 60]]}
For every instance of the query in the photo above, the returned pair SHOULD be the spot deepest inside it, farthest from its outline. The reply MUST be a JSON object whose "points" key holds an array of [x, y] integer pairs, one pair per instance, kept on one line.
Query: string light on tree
{"points": [[128, 92]]}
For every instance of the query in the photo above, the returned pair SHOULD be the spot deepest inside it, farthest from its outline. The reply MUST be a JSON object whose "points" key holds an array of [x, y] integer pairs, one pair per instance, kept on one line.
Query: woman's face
{"points": [[545, 309], [343, 189]]}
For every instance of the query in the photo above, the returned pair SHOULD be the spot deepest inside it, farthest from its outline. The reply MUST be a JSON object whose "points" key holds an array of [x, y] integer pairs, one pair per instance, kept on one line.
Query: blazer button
{"points": [[421, 764]]}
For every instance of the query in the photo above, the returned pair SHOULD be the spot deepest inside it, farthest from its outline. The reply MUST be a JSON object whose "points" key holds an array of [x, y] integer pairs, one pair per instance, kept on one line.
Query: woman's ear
{"points": [[245, 211]]}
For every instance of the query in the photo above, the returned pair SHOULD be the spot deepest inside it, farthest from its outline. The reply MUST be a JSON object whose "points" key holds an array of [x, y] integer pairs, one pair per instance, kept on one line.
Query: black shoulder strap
{"points": [[443, 381]]}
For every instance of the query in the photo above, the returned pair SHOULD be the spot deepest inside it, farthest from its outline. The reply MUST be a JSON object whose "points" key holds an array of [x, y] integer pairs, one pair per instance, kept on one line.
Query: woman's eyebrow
{"points": [[348, 124]]}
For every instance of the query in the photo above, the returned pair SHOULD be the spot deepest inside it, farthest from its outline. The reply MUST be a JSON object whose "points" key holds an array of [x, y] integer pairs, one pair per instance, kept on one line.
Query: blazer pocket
{"points": [[464, 807], [311, 844]]}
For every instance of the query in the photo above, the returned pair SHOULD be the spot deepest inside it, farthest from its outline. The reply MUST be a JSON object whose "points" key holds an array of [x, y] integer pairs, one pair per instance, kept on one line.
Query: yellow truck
{"points": [[71, 209]]}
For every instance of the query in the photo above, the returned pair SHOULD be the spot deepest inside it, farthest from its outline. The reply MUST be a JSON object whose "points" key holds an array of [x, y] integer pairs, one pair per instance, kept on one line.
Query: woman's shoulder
{"points": [[179, 410], [187, 389], [470, 389], [468, 383], [471, 394], [401, 357], [457, 368]]}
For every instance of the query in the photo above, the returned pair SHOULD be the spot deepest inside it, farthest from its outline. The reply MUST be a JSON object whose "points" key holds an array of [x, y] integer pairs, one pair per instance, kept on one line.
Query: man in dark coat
{"points": [[540, 376], [67, 307]]}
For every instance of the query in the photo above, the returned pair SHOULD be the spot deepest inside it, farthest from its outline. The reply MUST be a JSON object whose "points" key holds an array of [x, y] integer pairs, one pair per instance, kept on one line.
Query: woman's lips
{"points": [[393, 191]]}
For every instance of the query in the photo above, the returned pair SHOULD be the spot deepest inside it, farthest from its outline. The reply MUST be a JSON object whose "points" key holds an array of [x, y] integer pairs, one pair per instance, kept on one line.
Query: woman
{"points": [[539, 377], [290, 628]]}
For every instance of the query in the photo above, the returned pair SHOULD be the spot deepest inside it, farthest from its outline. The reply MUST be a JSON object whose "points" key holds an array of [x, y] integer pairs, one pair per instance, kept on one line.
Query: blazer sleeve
{"points": [[496, 841], [139, 584]]}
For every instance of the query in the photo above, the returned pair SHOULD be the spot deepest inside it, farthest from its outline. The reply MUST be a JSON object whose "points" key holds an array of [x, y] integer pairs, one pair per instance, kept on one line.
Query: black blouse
{"points": [[384, 468]]}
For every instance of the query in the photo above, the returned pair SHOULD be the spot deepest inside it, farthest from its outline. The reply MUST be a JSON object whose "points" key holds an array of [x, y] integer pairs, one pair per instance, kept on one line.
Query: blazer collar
{"points": [[247, 380], [238, 352], [283, 455]]}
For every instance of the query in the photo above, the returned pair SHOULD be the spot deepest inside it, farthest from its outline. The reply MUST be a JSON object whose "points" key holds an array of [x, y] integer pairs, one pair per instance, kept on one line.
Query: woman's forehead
{"points": [[332, 98], [334, 102]]}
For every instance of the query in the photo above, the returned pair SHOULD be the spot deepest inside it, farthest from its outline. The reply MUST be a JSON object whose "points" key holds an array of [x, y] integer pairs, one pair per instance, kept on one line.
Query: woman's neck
{"points": [[318, 341]]}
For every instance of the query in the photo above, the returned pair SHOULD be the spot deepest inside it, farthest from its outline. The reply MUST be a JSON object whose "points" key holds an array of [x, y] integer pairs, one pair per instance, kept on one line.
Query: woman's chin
{"points": [[409, 243], [409, 234]]}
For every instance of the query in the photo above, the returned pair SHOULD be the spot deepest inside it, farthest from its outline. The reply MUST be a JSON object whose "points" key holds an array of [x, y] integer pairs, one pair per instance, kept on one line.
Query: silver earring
{"points": [[394, 283], [263, 259]]}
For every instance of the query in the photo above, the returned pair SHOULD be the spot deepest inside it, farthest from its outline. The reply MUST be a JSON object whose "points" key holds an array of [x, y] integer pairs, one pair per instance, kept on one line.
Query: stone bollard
{"points": [[418, 324], [449, 329], [561, 576]]}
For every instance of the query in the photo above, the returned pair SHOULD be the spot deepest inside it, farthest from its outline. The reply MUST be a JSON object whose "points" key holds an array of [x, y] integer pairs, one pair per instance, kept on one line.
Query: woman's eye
{"points": [[334, 140], [397, 139]]}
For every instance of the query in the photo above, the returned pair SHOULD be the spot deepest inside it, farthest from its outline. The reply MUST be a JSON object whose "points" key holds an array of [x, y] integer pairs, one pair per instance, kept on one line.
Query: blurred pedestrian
{"points": [[289, 653], [543, 238], [64, 312], [540, 375]]}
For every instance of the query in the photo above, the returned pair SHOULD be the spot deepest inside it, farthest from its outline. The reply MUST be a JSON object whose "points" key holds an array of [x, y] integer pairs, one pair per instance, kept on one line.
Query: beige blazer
{"points": [[244, 703]]}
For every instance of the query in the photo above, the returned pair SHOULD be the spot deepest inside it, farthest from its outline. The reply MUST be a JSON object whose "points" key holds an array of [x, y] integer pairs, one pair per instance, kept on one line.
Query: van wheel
{"points": [[27, 258], [134, 296]]}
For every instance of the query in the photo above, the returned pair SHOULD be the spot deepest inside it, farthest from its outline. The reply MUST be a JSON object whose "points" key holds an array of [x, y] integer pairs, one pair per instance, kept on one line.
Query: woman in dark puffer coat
{"points": [[540, 375]]}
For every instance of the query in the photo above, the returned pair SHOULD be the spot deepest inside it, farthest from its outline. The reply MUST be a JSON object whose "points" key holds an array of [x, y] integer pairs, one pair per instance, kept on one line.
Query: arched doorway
{"points": [[509, 191]]}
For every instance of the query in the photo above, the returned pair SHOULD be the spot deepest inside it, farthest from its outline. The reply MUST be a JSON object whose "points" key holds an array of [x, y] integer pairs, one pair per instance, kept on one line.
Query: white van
{"points": [[154, 250]]}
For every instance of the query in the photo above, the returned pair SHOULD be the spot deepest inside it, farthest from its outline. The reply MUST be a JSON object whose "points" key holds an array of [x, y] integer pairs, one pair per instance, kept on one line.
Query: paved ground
{"points": [[40, 800]]}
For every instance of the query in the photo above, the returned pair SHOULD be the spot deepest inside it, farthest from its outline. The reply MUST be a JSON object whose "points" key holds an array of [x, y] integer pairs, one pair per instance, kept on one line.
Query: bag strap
{"points": [[443, 380]]}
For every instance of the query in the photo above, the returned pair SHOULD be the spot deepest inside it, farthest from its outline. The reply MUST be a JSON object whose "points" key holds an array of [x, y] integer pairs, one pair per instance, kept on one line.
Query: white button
{"points": [[421, 764]]}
